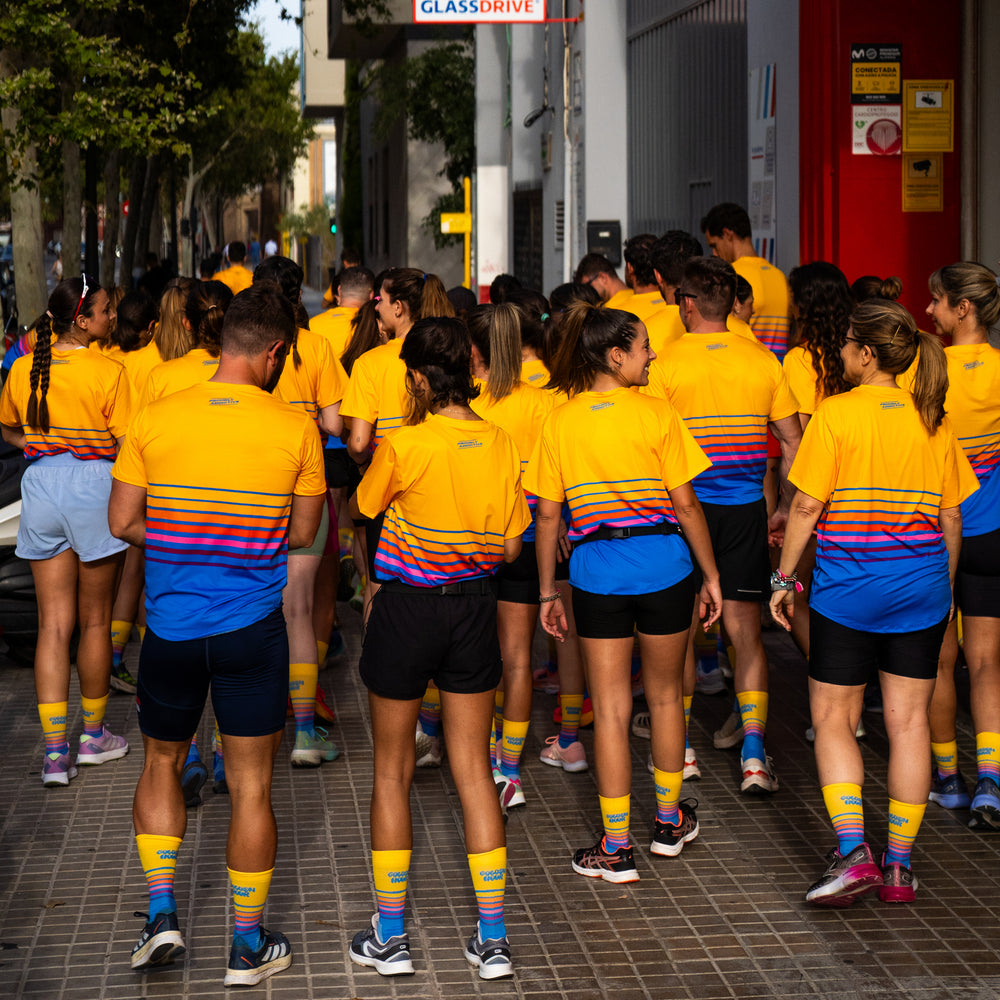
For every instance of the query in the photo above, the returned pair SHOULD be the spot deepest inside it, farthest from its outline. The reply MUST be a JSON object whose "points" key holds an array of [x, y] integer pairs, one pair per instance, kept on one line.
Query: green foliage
{"points": [[351, 197], [367, 15], [312, 222]]}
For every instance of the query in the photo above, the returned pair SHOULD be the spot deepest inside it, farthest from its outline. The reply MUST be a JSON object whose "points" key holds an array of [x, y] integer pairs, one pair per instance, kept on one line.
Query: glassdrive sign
{"points": [[478, 11], [876, 74]]}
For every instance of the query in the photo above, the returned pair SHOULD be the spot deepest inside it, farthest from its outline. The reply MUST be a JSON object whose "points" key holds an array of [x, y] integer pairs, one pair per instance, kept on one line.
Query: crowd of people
{"points": [[632, 463]]}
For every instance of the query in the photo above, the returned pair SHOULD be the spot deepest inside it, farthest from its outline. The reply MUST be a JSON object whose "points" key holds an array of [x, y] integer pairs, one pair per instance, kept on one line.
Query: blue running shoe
{"points": [[388, 958], [193, 778], [248, 968], [985, 806], [159, 943], [951, 792]]}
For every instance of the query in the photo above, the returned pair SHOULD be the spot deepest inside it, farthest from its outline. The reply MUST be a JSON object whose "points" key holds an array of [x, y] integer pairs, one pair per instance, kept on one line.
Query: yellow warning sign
{"points": [[875, 78], [923, 182], [928, 116]]}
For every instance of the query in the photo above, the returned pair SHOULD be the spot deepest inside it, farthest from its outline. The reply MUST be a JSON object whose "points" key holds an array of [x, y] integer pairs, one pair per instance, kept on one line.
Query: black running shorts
{"points": [[739, 541], [618, 616], [977, 582]]}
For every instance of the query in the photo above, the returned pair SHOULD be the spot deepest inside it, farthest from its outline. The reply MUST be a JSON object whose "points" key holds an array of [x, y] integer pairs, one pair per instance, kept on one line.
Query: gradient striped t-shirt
{"points": [[376, 392], [881, 560], [220, 464], [771, 316]]}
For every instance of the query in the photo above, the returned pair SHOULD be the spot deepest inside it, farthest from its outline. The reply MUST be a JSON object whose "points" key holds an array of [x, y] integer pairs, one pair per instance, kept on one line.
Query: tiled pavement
{"points": [[725, 919]]}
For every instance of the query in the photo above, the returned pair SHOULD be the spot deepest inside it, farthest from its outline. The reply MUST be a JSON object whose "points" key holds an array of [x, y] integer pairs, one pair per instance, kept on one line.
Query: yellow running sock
{"points": [[322, 648], [846, 811], [688, 699], [249, 896], [93, 714], [53, 719], [120, 633], [489, 876], [498, 713], [945, 758], [904, 822], [753, 713], [430, 711], [142, 632], [569, 727], [391, 870], [988, 756], [511, 746], [668, 794], [302, 679], [615, 816], [158, 857]]}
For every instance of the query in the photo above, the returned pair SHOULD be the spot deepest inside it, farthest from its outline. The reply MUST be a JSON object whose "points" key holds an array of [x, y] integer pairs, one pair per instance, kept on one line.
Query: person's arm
{"points": [[14, 436], [691, 518], [950, 523], [303, 521], [359, 442], [788, 431], [548, 515], [511, 548], [127, 513], [330, 420], [802, 519]]}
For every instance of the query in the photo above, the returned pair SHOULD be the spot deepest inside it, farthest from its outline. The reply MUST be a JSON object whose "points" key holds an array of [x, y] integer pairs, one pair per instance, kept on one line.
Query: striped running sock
{"points": [[615, 816], [142, 632], [489, 876], [569, 727], [302, 678], [688, 699], [904, 822], [493, 750], [945, 758], [511, 746], [322, 648], [498, 715], [158, 857], [391, 870], [988, 756], [753, 714], [668, 794], [193, 754], [93, 714], [120, 633], [249, 895], [53, 719], [430, 712], [846, 811]]}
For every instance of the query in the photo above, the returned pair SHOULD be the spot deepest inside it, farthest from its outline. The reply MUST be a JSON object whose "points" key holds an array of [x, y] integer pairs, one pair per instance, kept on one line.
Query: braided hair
{"points": [[71, 298]]}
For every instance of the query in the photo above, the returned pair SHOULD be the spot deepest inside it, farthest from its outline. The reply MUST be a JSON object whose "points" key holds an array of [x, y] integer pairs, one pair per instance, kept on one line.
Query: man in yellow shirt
{"points": [[727, 231], [355, 289], [639, 276], [597, 271], [236, 276]]}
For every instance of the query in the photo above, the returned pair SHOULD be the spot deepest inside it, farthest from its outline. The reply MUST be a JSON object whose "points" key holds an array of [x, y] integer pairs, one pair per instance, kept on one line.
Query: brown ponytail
{"points": [[589, 332], [41, 362], [421, 293]]}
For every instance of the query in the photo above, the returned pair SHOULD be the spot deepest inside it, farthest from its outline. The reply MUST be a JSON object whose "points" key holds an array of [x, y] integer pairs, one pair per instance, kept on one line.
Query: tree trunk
{"points": [[90, 204], [72, 205], [150, 203], [206, 213], [112, 186], [136, 181], [25, 209]]}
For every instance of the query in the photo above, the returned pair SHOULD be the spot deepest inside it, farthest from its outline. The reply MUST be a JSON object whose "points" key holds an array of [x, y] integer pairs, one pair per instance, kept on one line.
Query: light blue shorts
{"points": [[64, 505], [319, 542]]}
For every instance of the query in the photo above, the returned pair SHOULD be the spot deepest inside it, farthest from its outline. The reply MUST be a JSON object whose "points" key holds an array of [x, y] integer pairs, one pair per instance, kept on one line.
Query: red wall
{"points": [[851, 206]]}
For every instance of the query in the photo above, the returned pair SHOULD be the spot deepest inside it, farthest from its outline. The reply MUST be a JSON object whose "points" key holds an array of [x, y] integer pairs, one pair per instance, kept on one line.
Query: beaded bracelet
{"points": [[781, 582], [549, 600]]}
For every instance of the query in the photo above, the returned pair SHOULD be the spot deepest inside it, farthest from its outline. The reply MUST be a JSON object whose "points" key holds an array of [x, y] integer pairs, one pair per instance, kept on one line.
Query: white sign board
{"points": [[478, 11], [763, 154]]}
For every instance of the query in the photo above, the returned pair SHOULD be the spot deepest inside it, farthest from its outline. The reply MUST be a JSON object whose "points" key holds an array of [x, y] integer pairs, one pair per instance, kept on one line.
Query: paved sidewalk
{"points": [[725, 919]]}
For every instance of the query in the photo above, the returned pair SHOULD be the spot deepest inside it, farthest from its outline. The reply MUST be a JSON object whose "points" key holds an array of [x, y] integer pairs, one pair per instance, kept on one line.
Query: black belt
{"points": [[604, 533], [478, 586]]}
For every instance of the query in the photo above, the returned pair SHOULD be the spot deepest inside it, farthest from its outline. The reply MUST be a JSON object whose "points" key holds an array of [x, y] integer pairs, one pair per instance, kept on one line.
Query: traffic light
{"points": [[333, 226]]}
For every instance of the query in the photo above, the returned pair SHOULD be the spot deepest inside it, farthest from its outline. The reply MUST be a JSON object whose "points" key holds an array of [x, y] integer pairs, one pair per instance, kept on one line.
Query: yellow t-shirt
{"points": [[642, 304], [181, 373], [620, 300], [520, 415], [320, 379], [236, 277], [335, 326], [377, 391], [613, 456], [108, 349], [451, 492], [881, 561], [138, 364], [664, 327], [727, 389], [802, 379], [771, 315], [219, 463], [89, 401]]}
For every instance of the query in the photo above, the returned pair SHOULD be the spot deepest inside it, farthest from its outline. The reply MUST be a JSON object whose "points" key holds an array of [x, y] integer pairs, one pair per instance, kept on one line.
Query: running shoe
{"points": [[873, 698], [345, 584], [219, 785], [101, 749], [387, 958], [336, 645], [57, 770], [669, 838], [122, 680], [845, 879], [492, 956], [951, 792], [572, 758], [545, 680], [595, 862], [322, 710], [758, 776], [248, 968], [159, 943], [709, 681], [313, 749], [428, 749], [641, 726], [985, 806], [899, 884], [691, 770], [510, 791], [730, 735], [650, 766], [193, 778]]}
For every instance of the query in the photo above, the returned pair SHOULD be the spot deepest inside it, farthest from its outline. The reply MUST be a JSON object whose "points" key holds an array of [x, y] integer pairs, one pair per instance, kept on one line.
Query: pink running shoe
{"points": [[100, 749], [846, 878], [572, 758]]}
